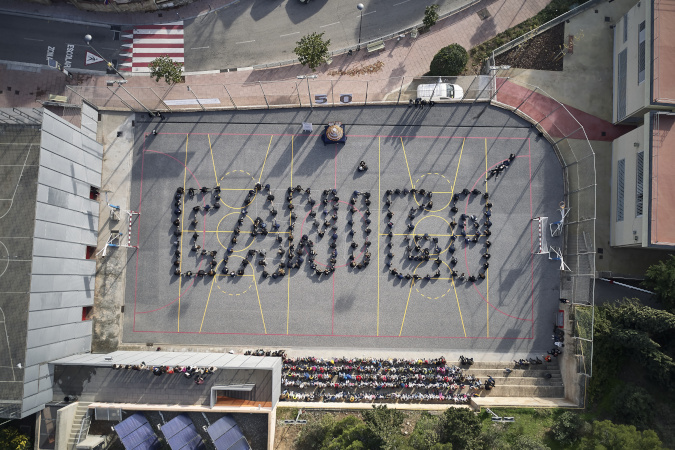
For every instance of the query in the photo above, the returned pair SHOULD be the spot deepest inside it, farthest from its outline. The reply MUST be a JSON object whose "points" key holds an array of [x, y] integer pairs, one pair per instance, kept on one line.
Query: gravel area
{"points": [[542, 52]]}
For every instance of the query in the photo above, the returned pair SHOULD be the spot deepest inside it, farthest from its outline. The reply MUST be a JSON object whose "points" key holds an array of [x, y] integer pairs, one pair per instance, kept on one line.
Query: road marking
{"points": [[400, 3], [182, 220], [366, 14], [324, 26], [36, 40], [198, 48], [379, 210], [245, 42], [289, 34], [412, 186]]}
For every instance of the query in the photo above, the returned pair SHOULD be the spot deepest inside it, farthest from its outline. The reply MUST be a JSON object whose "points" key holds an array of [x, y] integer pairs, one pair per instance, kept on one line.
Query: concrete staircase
{"points": [[80, 415], [528, 381]]}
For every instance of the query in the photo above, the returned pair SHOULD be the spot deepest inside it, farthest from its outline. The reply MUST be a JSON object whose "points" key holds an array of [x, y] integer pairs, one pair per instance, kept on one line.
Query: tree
{"points": [[315, 433], [449, 61], [425, 435], [460, 427], [10, 438], [430, 16], [567, 428], [384, 423], [634, 406], [167, 68], [525, 442], [312, 50], [607, 435], [661, 280]]}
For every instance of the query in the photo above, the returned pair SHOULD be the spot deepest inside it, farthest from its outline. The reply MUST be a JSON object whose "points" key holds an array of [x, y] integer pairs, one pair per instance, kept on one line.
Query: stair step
{"points": [[527, 381], [484, 373], [510, 364], [525, 391]]}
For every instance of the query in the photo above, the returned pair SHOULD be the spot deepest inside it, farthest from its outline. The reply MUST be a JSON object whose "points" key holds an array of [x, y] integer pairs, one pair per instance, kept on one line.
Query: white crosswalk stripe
{"points": [[147, 42]]}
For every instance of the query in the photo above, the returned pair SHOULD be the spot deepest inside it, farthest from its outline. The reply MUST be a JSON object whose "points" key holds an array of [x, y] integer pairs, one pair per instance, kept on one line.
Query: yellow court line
{"points": [[235, 189], [290, 222], [487, 278], [404, 234], [412, 283], [442, 192], [269, 146], [182, 220], [212, 161], [231, 231], [255, 282], [458, 164], [458, 307], [379, 212], [207, 303], [412, 186]]}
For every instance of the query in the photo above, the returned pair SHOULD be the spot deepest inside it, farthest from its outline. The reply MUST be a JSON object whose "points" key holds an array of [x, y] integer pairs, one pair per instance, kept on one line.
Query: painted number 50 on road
{"points": [[320, 99]]}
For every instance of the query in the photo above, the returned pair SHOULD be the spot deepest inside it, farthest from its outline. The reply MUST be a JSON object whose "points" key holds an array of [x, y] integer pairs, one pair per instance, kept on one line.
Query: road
{"points": [[35, 40], [265, 31], [248, 33]]}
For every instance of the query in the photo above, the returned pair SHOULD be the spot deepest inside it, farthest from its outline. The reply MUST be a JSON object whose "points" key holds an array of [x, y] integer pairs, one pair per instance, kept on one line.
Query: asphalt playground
{"points": [[442, 150]]}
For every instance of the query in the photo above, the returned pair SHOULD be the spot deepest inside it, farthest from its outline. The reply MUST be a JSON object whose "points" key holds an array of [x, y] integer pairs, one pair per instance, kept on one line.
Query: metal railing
{"points": [[291, 93], [84, 428], [575, 152]]}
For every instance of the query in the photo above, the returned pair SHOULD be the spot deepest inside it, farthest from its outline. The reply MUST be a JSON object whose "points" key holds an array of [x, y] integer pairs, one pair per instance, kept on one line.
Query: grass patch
{"points": [[551, 11]]}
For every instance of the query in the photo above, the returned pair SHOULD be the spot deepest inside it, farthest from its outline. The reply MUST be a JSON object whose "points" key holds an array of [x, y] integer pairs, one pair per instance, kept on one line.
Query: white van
{"points": [[440, 91]]}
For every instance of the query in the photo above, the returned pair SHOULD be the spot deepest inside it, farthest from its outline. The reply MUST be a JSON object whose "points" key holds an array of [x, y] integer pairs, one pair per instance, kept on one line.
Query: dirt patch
{"points": [[542, 52]]}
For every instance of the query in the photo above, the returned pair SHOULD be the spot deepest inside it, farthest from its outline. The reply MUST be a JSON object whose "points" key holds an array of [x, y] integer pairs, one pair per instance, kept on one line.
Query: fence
{"points": [[577, 158], [307, 92], [549, 116]]}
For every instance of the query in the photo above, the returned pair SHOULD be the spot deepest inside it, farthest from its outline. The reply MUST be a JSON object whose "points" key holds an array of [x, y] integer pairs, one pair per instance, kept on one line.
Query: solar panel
{"points": [[241, 444], [221, 426], [136, 433], [181, 434], [231, 438]]}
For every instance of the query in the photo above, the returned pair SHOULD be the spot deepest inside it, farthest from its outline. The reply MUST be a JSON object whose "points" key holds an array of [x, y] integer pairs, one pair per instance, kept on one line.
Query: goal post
{"points": [[541, 247]]}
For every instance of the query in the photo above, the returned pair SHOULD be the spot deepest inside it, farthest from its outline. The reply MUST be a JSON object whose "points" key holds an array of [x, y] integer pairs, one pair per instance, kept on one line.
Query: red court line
{"points": [[466, 206], [337, 335], [143, 36], [529, 149], [140, 204], [352, 135], [332, 314]]}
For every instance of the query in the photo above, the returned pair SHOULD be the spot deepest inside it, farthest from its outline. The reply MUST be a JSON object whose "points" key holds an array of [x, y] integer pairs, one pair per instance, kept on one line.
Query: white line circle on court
{"points": [[7, 265]]}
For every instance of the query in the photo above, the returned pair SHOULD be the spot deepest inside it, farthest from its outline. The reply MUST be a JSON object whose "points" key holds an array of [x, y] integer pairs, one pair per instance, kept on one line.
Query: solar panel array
{"points": [[181, 434], [136, 433], [227, 435]]}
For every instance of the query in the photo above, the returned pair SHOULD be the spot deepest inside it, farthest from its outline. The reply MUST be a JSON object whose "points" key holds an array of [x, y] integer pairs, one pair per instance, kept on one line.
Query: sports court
{"points": [[441, 150]]}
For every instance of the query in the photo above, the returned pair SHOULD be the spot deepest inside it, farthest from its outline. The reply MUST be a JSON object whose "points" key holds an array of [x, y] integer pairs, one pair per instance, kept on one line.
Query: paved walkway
{"points": [[555, 119]]}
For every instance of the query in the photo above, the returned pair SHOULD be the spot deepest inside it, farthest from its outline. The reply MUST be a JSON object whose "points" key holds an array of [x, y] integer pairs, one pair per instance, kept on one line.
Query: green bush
{"points": [[567, 428], [426, 434], [607, 435], [449, 61], [430, 16], [635, 407]]}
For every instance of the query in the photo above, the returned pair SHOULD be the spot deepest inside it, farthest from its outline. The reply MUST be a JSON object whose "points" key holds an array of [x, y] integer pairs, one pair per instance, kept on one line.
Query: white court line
{"points": [[289, 34], [400, 3], [9, 349], [245, 42], [370, 12], [7, 266], [17, 184], [334, 23], [198, 48]]}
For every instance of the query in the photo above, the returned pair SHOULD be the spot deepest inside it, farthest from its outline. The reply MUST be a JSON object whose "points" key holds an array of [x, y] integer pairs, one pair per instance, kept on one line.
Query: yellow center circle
{"points": [[452, 282], [230, 232], [417, 182], [254, 195], [240, 276]]}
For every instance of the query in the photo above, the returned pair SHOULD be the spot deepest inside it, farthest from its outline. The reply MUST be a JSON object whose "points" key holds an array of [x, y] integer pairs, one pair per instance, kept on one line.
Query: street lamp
{"points": [[360, 8], [120, 83], [87, 40]]}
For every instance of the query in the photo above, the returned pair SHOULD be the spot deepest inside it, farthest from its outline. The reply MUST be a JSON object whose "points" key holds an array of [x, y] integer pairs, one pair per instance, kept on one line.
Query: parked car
{"points": [[440, 91]]}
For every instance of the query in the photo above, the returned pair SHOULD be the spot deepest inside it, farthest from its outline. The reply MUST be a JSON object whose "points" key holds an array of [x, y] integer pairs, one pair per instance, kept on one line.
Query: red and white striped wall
{"points": [[147, 42]]}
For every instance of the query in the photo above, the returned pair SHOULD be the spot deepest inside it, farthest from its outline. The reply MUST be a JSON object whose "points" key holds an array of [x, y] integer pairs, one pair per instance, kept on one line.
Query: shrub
{"points": [[634, 408], [449, 61], [460, 427], [567, 428], [430, 16]]}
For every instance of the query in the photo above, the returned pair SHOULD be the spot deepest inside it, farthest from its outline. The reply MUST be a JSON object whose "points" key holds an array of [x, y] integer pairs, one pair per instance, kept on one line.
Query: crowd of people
{"points": [[370, 379], [195, 373], [322, 218]]}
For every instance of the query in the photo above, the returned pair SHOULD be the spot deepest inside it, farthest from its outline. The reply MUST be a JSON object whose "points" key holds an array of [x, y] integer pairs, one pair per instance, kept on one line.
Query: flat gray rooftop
{"points": [[19, 155], [443, 149]]}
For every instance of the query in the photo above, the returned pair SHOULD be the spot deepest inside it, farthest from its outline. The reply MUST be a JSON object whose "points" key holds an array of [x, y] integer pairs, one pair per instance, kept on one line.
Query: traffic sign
{"points": [[91, 58]]}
